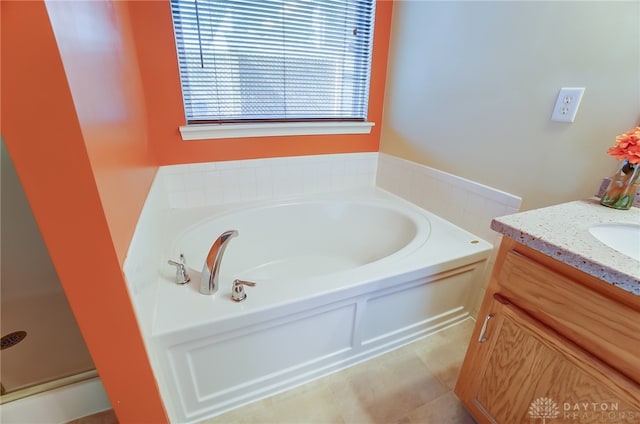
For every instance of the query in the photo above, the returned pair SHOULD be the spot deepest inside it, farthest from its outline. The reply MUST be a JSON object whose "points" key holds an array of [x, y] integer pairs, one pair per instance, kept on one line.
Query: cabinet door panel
{"points": [[602, 326], [530, 372]]}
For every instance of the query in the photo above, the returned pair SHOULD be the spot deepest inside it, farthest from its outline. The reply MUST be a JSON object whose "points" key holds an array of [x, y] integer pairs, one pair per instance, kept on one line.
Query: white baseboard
{"points": [[59, 405]]}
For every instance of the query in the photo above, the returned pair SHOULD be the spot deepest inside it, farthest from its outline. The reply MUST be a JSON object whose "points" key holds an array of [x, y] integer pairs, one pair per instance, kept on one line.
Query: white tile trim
{"points": [[205, 184], [494, 194]]}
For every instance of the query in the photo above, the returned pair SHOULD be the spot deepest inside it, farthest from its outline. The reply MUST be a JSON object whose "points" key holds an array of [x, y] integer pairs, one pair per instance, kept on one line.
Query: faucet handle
{"points": [[237, 292], [182, 276]]}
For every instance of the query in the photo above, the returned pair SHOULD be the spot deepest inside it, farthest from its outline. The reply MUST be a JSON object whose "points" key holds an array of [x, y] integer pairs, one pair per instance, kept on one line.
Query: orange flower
{"points": [[627, 146]]}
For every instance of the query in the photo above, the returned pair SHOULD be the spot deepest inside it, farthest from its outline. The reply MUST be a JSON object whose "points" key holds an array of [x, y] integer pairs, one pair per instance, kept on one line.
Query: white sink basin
{"points": [[625, 238]]}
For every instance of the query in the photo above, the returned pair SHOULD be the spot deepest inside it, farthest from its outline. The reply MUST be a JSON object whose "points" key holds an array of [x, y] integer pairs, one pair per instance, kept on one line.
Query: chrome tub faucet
{"points": [[211, 268]]}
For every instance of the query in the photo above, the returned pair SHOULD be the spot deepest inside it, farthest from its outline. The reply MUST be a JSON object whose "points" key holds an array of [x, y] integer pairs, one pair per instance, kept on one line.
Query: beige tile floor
{"points": [[411, 385]]}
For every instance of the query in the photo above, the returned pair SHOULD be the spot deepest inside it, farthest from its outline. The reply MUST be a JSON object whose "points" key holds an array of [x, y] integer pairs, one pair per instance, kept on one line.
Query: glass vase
{"points": [[623, 186]]}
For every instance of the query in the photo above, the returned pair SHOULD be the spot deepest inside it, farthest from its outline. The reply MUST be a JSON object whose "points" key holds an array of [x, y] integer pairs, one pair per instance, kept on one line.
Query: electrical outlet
{"points": [[567, 104]]}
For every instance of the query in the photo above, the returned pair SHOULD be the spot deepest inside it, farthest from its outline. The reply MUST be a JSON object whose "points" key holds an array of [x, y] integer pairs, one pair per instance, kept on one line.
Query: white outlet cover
{"points": [[567, 104]]}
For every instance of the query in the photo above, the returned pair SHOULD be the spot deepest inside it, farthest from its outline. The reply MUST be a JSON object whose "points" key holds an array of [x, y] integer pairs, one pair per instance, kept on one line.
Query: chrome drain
{"points": [[12, 339]]}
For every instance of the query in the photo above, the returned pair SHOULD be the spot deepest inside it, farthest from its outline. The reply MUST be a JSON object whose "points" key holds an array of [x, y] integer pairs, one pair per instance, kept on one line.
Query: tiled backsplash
{"points": [[467, 204], [203, 184]]}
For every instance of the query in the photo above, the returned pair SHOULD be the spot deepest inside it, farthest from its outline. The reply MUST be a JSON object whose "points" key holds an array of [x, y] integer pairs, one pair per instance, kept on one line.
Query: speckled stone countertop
{"points": [[562, 232]]}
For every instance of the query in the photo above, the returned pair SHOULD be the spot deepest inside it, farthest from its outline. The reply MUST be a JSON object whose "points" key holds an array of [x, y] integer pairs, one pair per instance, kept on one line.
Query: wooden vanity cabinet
{"points": [[551, 342]]}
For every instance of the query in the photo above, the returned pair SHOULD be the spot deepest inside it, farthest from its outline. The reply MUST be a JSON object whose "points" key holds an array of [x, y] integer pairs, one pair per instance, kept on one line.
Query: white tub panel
{"points": [[416, 305], [215, 370], [254, 356], [222, 369]]}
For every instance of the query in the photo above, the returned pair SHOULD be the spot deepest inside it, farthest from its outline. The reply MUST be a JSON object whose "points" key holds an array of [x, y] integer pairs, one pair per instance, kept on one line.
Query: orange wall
{"points": [[99, 57], [153, 32], [84, 165], [87, 115]]}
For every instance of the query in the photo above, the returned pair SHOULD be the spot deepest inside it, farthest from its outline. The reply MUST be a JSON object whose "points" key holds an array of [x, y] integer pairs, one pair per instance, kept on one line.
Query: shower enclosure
{"points": [[42, 347]]}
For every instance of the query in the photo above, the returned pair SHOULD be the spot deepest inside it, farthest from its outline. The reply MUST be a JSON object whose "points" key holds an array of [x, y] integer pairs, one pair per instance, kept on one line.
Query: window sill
{"points": [[203, 132]]}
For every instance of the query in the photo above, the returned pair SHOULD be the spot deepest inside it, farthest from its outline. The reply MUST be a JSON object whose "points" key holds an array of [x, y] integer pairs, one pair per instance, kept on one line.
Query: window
{"points": [[257, 61]]}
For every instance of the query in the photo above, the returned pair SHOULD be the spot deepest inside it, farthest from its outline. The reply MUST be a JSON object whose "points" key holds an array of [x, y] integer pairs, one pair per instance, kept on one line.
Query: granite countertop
{"points": [[562, 232]]}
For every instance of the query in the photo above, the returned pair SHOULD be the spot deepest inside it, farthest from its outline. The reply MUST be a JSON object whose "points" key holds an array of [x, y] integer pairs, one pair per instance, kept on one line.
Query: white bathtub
{"points": [[340, 278]]}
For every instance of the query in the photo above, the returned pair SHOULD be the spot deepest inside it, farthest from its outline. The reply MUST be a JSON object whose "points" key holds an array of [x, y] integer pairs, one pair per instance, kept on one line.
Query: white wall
{"points": [[471, 86]]}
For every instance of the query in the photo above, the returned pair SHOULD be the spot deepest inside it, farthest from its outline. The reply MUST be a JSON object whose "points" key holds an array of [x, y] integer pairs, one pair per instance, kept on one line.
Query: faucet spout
{"points": [[211, 268]]}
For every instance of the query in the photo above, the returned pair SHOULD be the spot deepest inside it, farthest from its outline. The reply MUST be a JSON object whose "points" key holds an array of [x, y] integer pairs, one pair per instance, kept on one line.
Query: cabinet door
{"points": [[526, 373]]}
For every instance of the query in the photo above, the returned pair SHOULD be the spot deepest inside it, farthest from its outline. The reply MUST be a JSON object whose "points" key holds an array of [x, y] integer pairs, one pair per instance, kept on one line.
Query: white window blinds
{"points": [[274, 60]]}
